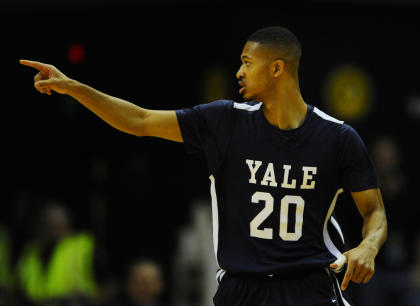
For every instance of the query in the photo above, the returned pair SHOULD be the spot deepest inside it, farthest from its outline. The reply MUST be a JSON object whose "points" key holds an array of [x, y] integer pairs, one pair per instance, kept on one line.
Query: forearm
{"points": [[375, 229], [122, 115], [361, 260]]}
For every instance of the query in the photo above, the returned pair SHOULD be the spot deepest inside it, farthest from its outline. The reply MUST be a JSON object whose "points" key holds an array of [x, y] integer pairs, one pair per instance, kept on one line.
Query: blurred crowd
{"points": [[57, 265], [397, 276]]}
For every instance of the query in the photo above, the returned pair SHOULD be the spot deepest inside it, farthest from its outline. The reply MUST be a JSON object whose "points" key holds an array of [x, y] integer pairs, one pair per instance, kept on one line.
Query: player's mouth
{"points": [[242, 89]]}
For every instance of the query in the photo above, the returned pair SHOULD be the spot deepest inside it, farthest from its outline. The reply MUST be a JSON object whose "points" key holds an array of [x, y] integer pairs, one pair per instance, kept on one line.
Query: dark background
{"points": [[156, 55]]}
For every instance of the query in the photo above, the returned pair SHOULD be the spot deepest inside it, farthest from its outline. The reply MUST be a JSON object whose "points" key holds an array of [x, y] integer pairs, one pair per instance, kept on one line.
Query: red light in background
{"points": [[76, 54]]}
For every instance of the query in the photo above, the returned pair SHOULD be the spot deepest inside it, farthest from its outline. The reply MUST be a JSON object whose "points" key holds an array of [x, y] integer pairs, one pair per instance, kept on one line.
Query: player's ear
{"points": [[277, 68]]}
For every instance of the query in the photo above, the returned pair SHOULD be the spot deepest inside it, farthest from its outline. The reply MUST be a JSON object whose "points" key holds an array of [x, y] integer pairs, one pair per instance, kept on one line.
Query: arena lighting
{"points": [[76, 53], [348, 92]]}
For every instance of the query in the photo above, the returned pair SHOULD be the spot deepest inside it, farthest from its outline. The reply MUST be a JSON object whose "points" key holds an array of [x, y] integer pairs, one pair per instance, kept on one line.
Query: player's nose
{"points": [[240, 74]]}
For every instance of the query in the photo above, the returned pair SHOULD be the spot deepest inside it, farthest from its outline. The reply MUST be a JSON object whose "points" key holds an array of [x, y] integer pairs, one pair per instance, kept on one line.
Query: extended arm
{"points": [[361, 260], [122, 115]]}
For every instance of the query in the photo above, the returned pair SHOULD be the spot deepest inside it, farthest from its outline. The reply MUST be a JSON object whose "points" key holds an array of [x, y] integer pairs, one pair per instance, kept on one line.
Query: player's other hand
{"points": [[360, 265], [48, 78]]}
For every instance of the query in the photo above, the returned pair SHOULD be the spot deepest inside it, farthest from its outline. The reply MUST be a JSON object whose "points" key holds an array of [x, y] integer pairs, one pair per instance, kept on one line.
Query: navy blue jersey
{"points": [[274, 191]]}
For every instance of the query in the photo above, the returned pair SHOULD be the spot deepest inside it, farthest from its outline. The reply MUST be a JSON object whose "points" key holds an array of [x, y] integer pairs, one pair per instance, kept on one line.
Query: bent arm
{"points": [[361, 259], [121, 114], [371, 207]]}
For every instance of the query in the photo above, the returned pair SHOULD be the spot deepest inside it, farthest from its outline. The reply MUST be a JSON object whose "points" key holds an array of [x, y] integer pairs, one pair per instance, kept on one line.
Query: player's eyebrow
{"points": [[245, 57]]}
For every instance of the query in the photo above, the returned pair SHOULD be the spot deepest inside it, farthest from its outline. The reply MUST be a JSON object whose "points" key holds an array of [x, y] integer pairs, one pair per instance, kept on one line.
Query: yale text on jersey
{"points": [[272, 179]]}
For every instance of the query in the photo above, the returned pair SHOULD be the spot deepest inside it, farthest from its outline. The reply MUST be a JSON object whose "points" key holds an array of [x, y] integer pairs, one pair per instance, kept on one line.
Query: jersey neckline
{"points": [[279, 131]]}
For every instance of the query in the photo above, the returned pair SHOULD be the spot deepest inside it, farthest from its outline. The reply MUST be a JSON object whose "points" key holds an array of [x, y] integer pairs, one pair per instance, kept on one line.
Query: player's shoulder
{"points": [[328, 122], [230, 105], [249, 106], [324, 118], [238, 105], [216, 105]]}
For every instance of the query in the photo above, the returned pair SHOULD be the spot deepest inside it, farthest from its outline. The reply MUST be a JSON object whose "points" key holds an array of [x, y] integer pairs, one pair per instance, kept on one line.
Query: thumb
{"points": [[337, 265]]}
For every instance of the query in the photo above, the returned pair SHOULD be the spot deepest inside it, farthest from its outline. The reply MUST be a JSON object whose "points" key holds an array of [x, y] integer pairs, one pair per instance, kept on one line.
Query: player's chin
{"points": [[247, 96]]}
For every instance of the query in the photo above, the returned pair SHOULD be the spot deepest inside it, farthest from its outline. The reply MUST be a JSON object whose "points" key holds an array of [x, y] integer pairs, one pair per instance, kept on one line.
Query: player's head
{"points": [[270, 55]]}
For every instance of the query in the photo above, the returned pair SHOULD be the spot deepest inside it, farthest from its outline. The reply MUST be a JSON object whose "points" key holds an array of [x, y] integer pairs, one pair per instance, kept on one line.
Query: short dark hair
{"points": [[281, 41]]}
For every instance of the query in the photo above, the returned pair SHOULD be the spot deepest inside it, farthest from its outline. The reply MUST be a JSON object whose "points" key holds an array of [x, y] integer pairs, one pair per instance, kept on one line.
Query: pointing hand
{"points": [[48, 78], [360, 265]]}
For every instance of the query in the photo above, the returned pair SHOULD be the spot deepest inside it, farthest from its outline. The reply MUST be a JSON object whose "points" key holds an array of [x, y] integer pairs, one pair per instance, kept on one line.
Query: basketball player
{"points": [[277, 168]]}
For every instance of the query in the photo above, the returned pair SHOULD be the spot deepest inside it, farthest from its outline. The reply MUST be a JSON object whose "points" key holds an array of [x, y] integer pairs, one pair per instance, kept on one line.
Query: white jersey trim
{"points": [[341, 294], [215, 216], [337, 285], [327, 239], [219, 275], [247, 107], [326, 117], [337, 227]]}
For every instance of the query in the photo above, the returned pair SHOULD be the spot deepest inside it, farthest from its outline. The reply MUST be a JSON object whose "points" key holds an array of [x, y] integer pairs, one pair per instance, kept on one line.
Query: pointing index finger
{"points": [[347, 276], [37, 65]]}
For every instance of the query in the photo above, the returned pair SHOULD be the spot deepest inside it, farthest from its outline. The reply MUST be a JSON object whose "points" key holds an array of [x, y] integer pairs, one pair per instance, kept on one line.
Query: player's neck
{"points": [[286, 109]]}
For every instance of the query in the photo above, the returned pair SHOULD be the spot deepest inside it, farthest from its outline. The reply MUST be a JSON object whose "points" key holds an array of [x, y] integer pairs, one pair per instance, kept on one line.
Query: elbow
{"points": [[132, 128], [137, 130], [137, 127]]}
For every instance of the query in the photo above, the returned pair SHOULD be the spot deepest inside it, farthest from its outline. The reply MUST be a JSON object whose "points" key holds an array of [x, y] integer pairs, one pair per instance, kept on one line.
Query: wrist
{"points": [[369, 246], [70, 87]]}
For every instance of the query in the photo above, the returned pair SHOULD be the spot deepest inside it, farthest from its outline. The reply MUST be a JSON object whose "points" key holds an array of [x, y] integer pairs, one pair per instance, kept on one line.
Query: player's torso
{"points": [[275, 189]]}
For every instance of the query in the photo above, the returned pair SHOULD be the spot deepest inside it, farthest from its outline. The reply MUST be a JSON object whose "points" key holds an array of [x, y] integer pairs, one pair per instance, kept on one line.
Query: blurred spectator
{"points": [[391, 284], [143, 285], [194, 266], [59, 266], [12, 230]]}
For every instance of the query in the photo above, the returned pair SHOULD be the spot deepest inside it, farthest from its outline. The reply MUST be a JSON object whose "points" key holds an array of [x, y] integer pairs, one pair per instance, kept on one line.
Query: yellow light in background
{"points": [[348, 92], [216, 84]]}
